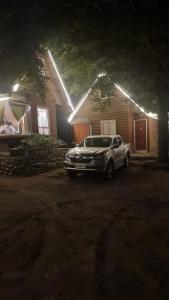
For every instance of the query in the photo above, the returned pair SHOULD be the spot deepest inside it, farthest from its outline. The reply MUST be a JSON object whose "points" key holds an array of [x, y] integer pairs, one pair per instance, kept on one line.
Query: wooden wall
{"points": [[118, 110], [124, 112]]}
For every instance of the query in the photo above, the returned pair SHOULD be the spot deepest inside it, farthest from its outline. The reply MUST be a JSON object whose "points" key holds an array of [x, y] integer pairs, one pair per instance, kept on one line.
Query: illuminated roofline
{"points": [[78, 106], [61, 81], [81, 102], [149, 114], [15, 87], [4, 98]]}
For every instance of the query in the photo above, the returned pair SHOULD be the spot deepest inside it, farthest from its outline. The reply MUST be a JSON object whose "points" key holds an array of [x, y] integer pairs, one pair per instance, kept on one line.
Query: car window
{"points": [[97, 142]]}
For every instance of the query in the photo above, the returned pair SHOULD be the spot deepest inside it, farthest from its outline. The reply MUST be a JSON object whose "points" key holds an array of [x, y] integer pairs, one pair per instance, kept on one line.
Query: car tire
{"points": [[71, 174], [109, 171], [127, 161]]}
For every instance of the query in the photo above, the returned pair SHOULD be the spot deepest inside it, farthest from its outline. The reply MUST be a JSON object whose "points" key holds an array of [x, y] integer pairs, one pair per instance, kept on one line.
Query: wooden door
{"points": [[140, 135], [81, 131]]}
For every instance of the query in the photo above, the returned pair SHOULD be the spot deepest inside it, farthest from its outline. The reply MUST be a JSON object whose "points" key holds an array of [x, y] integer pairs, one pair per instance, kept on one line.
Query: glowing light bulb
{"points": [[15, 87]]}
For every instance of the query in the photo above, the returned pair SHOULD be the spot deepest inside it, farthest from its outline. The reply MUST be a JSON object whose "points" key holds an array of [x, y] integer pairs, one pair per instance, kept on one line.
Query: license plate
{"points": [[80, 166]]}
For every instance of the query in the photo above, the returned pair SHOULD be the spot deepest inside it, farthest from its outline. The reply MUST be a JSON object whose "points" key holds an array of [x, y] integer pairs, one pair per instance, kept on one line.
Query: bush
{"points": [[39, 146]]}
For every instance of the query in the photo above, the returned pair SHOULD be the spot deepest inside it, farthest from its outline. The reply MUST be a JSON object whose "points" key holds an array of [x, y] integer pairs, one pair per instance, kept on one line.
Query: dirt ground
{"points": [[85, 238]]}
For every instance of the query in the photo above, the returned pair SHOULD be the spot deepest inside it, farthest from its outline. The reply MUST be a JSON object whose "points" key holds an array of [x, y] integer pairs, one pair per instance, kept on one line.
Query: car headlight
{"points": [[100, 156]]}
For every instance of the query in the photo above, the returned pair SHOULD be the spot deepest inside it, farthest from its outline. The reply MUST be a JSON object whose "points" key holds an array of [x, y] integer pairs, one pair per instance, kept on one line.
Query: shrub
{"points": [[39, 146]]}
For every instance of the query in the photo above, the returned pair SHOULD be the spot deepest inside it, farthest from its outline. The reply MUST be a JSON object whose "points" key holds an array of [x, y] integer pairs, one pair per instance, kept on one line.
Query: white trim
{"points": [[61, 81], [135, 136]]}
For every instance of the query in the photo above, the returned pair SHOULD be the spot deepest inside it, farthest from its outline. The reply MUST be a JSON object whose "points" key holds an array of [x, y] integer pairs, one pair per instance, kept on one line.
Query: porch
{"points": [[15, 117], [144, 156]]}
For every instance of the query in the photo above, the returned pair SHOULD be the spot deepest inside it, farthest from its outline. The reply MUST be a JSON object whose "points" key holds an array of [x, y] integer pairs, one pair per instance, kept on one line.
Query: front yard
{"points": [[85, 238]]}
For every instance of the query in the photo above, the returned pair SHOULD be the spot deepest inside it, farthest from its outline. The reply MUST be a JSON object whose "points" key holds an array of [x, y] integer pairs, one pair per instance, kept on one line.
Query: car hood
{"points": [[87, 150]]}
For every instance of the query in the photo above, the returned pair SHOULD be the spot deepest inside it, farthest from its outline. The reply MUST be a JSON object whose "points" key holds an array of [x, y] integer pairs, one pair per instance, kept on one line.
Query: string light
{"points": [[83, 99], [4, 98], [101, 74], [15, 87], [149, 114], [79, 105], [61, 81]]}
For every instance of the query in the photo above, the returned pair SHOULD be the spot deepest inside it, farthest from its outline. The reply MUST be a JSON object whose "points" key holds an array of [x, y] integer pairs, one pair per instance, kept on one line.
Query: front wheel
{"points": [[109, 171]]}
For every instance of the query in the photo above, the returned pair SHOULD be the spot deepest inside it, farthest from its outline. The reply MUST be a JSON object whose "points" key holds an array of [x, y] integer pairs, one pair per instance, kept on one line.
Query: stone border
{"points": [[29, 166]]}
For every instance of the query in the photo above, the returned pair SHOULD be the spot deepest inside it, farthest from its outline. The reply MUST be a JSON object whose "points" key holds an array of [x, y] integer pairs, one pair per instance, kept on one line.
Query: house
{"points": [[123, 116], [47, 115]]}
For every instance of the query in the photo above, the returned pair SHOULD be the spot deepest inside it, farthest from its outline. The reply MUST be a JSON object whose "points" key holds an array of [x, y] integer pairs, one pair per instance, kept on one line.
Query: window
{"points": [[108, 126], [97, 142], [43, 120]]}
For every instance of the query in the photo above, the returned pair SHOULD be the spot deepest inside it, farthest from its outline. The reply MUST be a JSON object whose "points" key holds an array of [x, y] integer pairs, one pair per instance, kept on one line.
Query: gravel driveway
{"points": [[85, 238]]}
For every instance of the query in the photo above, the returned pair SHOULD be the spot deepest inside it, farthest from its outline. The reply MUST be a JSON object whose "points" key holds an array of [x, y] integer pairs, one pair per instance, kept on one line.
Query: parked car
{"points": [[98, 153]]}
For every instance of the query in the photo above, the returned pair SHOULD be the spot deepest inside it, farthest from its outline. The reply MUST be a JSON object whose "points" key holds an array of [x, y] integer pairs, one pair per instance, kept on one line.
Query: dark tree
{"points": [[130, 41], [127, 39]]}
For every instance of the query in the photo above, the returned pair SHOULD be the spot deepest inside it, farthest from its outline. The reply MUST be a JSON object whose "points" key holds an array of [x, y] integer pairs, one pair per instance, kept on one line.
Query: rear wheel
{"points": [[71, 174], [109, 171]]}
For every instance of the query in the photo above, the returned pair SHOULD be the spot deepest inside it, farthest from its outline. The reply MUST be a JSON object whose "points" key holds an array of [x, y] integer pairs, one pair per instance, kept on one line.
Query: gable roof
{"points": [[83, 99]]}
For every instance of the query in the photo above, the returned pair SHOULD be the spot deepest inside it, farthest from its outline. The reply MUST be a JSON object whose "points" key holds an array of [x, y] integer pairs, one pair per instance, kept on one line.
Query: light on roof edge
{"points": [[78, 106], [61, 81], [15, 87], [4, 98], [149, 114], [81, 102]]}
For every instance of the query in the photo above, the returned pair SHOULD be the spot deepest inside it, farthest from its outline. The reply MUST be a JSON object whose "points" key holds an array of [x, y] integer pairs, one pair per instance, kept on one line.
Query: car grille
{"points": [[81, 158]]}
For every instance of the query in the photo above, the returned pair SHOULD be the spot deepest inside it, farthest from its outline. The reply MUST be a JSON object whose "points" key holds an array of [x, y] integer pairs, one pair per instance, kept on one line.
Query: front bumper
{"points": [[96, 167]]}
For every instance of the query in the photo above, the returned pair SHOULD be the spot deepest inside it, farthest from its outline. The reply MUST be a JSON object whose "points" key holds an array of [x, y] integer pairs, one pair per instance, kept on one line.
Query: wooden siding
{"points": [[124, 112], [118, 110]]}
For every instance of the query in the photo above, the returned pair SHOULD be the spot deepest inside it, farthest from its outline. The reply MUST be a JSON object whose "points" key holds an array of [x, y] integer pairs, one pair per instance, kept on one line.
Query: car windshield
{"points": [[97, 142]]}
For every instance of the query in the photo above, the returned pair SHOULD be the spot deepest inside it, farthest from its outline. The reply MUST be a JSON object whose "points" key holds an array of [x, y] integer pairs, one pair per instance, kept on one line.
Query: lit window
{"points": [[43, 120]]}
